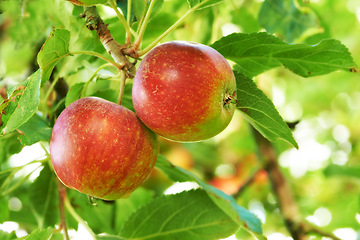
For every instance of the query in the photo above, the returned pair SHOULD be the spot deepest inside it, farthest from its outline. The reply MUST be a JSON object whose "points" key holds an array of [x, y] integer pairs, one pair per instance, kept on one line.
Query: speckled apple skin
{"points": [[179, 91], [102, 149]]}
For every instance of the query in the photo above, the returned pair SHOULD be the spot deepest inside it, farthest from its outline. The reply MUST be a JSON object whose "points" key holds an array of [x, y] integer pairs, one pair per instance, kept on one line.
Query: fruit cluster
{"points": [[182, 91]]}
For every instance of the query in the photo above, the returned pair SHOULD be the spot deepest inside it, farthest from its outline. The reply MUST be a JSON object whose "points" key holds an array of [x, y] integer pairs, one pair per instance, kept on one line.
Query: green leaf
{"points": [[44, 198], [127, 206], [282, 17], [54, 49], [239, 214], [74, 93], [9, 145], [92, 2], [337, 170], [139, 8], [21, 106], [255, 53], [109, 237], [4, 213], [179, 217], [100, 217], [35, 130], [203, 3], [7, 236], [260, 111], [40, 234]]}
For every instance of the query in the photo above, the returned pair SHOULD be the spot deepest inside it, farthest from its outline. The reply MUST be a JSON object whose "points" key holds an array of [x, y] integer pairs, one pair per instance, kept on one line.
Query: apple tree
{"points": [[197, 119]]}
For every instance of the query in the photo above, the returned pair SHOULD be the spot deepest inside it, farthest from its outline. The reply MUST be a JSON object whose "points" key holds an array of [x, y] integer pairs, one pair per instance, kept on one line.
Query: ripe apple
{"points": [[184, 91], [102, 149]]}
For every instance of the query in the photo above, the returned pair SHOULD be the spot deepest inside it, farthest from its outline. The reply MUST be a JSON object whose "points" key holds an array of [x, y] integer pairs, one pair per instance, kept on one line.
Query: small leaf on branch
{"points": [[74, 93], [227, 203], [180, 217], [256, 53], [260, 112], [54, 49], [21, 105]]}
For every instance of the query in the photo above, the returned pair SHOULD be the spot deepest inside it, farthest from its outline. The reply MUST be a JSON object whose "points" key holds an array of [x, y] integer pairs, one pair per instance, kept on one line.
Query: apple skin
{"points": [[102, 149], [184, 91]]}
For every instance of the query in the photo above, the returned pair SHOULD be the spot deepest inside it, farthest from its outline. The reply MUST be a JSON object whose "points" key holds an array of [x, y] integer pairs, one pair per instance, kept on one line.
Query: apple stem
{"points": [[122, 86], [143, 25], [128, 17]]}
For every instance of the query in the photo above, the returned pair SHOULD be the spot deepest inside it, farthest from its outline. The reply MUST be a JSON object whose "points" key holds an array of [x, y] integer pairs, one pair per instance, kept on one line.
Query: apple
{"points": [[102, 149], [184, 91]]}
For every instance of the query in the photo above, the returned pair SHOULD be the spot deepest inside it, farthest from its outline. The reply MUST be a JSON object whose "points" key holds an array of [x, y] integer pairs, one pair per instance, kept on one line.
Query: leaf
{"points": [[44, 198], [74, 93], [90, 2], [239, 214], [255, 53], [9, 146], [203, 3], [127, 206], [100, 218], [179, 217], [109, 237], [259, 110], [21, 106], [54, 49], [139, 8], [34, 130], [4, 213], [7, 236], [336, 170], [40, 234], [282, 17]]}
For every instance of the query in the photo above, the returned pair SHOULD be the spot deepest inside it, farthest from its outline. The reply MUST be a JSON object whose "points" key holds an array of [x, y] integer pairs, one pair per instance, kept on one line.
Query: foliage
{"points": [[297, 85]]}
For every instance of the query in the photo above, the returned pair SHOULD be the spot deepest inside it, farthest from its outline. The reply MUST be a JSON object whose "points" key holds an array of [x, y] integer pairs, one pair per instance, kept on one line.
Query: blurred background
{"points": [[324, 111]]}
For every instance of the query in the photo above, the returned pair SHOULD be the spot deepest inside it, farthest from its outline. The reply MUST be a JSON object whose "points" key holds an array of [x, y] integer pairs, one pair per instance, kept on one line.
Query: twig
{"points": [[62, 196], [94, 22], [298, 228]]}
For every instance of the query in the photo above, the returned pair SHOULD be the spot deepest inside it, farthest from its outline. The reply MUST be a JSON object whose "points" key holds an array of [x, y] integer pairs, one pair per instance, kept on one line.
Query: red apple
{"points": [[184, 91], [102, 149]]}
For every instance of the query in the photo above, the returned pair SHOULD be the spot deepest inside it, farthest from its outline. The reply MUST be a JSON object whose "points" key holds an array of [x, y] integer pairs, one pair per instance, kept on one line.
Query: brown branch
{"points": [[62, 196], [281, 188], [94, 22], [298, 228]]}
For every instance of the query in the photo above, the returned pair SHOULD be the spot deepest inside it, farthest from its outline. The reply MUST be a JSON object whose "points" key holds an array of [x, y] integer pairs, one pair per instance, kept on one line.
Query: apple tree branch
{"points": [[94, 22]]}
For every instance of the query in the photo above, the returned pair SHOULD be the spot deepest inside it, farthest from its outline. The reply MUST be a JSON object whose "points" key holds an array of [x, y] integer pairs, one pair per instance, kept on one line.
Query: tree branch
{"points": [[62, 196], [298, 228], [94, 22]]}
